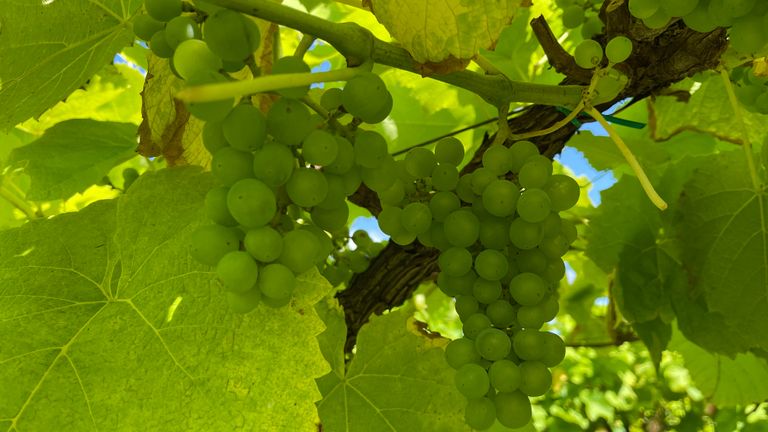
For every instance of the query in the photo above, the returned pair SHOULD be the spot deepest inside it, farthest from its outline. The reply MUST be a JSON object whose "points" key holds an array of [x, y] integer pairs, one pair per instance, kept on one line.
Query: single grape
{"points": [[216, 206], [163, 10], [591, 28], [573, 16], [464, 189], [533, 205], [238, 271], [245, 128], [486, 291], [420, 162], [307, 187], [264, 243], [243, 303], [213, 136], [291, 64], [525, 235], [445, 177], [345, 157], [455, 261], [273, 164], [554, 349], [460, 352], [319, 148], [505, 375], [497, 159], [159, 45], [251, 203], [192, 57], [472, 380], [481, 178], [494, 232], [563, 192], [527, 289], [450, 151], [331, 219], [529, 344], [535, 172], [180, 29], [289, 121], [658, 21], [467, 306], [230, 166], [618, 49], [457, 285], [331, 98], [370, 149], [144, 26], [493, 344], [300, 249], [749, 35], [231, 35], [380, 179], [699, 19], [501, 313], [679, 8], [366, 96], [513, 409], [480, 413], [531, 261], [536, 378], [474, 324], [209, 243], [462, 228], [588, 54], [491, 265], [276, 281], [519, 153], [644, 9], [500, 197], [416, 217]]}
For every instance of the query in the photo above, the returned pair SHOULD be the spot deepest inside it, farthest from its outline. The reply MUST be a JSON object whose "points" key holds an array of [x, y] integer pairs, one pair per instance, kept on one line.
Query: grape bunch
{"points": [[747, 19], [751, 90], [582, 13]]}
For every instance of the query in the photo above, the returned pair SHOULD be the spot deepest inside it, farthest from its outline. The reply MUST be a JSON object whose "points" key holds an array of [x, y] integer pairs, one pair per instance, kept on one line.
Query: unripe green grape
{"points": [[216, 207], [358, 263], [486, 291], [531, 317], [505, 375], [513, 409], [449, 151], [324, 240], [243, 303], [493, 344], [163, 10], [496, 159], [300, 249], [336, 196], [420, 162], [144, 26], [480, 413], [591, 28], [531, 261], [738, 8], [230, 166], [289, 121], [588, 54], [554, 247], [535, 172], [474, 324], [390, 221], [403, 237], [525, 235], [238, 271], [573, 16], [491, 264], [563, 192], [394, 195], [193, 57], [529, 344], [519, 153], [472, 380], [554, 349], [437, 236], [462, 228], [213, 136], [180, 29], [379, 179], [460, 352], [231, 35], [245, 128], [501, 313], [291, 64], [209, 243], [659, 20], [445, 177], [276, 281], [644, 9], [307, 187], [536, 378], [481, 178], [442, 204], [700, 20], [366, 96], [748, 35], [527, 289], [455, 261], [331, 98], [464, 189], [679, 8], [416, 217], [618, 49], [319, 148], [273, 164], [467, 306], [370, 149], [209, 111], [351, 180], [251, 203], [330, 219], [555, 271], [264, 243], [159, 45], [232, 66], [494, 232], [500, 197], [533, 205], [345, 157], [457, 285]]}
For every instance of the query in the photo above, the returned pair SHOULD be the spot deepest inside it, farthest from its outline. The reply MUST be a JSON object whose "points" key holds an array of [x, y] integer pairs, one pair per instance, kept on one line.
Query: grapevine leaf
{"points": [[74, 154], [110, 325], [436, 31], [50, 48], [397, 381]]}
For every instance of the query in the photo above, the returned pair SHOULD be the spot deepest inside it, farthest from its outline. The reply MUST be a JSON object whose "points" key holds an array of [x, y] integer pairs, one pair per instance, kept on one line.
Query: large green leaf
{"points": [[398, 380], [73, 155], [49, 48], [110, 325], [725, 243]]}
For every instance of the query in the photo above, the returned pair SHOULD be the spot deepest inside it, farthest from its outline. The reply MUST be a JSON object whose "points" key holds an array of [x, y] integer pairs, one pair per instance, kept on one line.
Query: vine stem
{"points": [[633, 163], [569, 118], [745, 134], [17, 202], [235, 89]]}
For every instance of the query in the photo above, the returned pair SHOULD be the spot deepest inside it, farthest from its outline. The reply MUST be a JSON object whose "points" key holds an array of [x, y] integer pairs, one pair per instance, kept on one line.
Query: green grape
{"points": [[491, 264], [658, 20], [460, 352], [370, 149], [449, 151], [493, 344], [300, 249], [289, 121], [144, 26], [474, 324], [192, 57], [276, 281], [533, 205], [505, 375], [738, 8], [394, 195], [573, 16], [331, 99], [481, 178], [230, 35], [213, 136], [416, 217], [536, 378], [513, 409], [232, 66], [163, 10], [699, 19], [464, 189], [243, 303], [380, 179], [494, 232], [216, 207], [501, 313], [273, 164], [486, 291], [679, 8], [519, 153], [230, 166], [467, 306], [531, 317], [358, 262], [403, 238], [588, 54], [390, 220], [525, 235], [362, 240], [366, 96], [159, 45], [527, 289], [336, 196], [420, 162], [554, 349], [345, 157], [500, 197], [472, 380], [445, 177], [209, 243], [591, 28], [319, 148], [324, 240], [462, 228], [180, 29], [480, 413], [551, 225], [330, 219], [554, 247], [497, 159], [209, 111], [455, 261], [437, 236], [454, 286], [291, 64], [563, 192], [644, 9], [245, 128], [529, 344], [531, 261], [535, 172], [748, 35], [237, 271], [264, 243], [251, 203], [555, 271], [618, 49], [307, 187]]}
